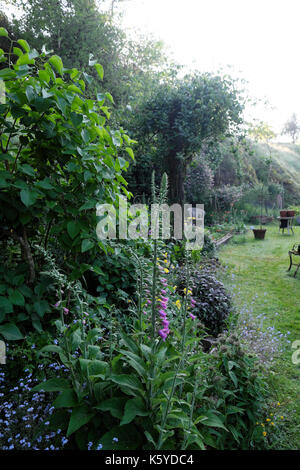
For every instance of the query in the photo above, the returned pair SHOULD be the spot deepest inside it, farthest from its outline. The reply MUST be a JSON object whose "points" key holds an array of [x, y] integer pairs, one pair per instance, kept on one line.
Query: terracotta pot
{"points": [[283, 213], [259, 234], [290, 213]]}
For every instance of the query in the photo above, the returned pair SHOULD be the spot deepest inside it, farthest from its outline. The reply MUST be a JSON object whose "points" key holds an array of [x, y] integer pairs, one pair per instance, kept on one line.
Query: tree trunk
{"points": [[176, 169]]}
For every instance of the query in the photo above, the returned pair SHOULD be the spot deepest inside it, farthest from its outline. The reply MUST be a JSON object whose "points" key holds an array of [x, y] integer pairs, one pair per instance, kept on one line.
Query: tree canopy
{"points": [[184, 115]]}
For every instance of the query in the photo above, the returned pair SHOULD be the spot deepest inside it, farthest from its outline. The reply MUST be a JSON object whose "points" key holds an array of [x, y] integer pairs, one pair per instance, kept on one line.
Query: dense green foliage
{"points": [[107, 340], [58, 160], [76, 29]]}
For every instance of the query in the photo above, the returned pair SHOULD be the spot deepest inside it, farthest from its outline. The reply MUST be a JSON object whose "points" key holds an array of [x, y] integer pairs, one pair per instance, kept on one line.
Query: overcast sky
{"points": [[259, 39]]}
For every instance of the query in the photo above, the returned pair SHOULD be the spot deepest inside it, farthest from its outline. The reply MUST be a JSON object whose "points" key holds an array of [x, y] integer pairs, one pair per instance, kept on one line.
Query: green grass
{"points": [[260, 269]]}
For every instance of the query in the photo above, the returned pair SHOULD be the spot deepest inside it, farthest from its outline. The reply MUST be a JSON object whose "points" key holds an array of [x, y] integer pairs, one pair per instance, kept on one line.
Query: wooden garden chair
{"points": [[295, 251]]}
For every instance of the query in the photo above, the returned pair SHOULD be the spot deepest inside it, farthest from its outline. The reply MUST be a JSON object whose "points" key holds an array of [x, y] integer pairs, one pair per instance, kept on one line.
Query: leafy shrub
{"points": [[237, 390], [58, 159], [212, 300]]}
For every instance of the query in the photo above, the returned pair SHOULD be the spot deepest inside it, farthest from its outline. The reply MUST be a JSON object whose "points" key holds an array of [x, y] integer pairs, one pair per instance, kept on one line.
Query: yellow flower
{"points": [[264, 433], [175, 287], [178, 304], [272, 424], [166, 261], [278, 404], [281, 417], [263, 425], [165, 255], [271, 414], [268, 419], [189, 291], [166, 270]]}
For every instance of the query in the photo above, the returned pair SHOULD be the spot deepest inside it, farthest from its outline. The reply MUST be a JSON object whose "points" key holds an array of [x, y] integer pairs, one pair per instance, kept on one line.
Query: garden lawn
{"points": [[257, 270]]}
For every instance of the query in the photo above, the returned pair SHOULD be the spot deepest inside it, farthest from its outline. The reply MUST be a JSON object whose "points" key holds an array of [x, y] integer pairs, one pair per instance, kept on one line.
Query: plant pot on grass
{"points": [[290, 213], [259, 233], [283, 213]]}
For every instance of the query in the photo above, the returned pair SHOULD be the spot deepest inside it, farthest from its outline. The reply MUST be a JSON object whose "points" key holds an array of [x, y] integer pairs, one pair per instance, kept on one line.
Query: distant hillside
{"points": [[285, 167]]}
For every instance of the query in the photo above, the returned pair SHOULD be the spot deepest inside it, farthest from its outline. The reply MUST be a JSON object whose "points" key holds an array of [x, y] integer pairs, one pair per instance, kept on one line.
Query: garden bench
{"points": [[294, 252]]}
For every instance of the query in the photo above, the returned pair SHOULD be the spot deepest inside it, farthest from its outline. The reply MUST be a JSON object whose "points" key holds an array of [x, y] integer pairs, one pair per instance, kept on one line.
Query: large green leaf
{"points": [[51, 348], [100, 71], [134, 407], [27, 169], [73, 229], [76, 119], [24, 44], [67, 399], [97, 369], [79, 417], [41, 307], [7, 74], [129, 343], [86, 245], [212, 420], [16, 298], [130, 152], [129, 383], [56, 62], [52, 385], [28, 197], [6, 305], [114, 405], [11, 332], [3, 32]]}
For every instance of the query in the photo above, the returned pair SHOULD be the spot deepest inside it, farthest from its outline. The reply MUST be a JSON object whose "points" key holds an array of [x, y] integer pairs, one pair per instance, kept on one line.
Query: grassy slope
{"points": [[286, 158], [260, 268]]}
